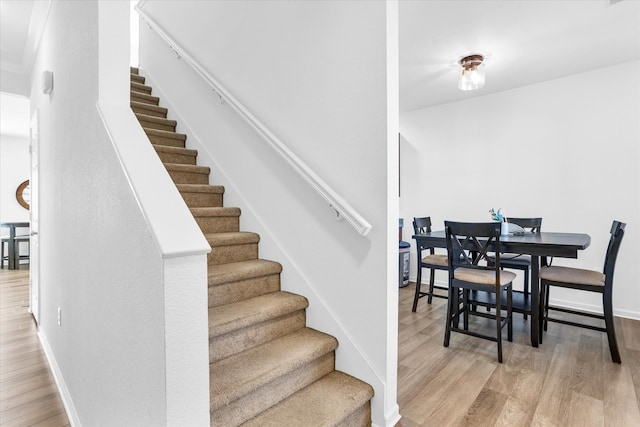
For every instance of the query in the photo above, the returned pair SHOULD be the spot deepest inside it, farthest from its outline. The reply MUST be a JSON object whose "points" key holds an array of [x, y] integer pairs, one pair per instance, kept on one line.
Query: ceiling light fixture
{"points": [[472, 73]]}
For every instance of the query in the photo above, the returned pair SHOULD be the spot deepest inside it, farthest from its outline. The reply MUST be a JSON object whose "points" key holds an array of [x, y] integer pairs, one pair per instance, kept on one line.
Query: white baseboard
{"points": [[593, 308], [65, 396], [392, 416]]}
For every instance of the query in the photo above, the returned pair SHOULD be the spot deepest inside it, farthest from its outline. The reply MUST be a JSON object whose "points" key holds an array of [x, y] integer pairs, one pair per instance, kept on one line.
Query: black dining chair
{"points": [[590, 281], [468, 246], [521, 261], [430, 260]]}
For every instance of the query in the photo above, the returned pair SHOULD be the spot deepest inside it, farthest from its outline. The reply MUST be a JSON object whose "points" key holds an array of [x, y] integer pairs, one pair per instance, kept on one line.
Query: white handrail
{"points": [[342, 208]]}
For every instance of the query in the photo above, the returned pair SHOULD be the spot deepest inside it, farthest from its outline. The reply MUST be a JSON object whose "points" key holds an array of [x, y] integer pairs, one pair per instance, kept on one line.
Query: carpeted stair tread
{"points": [[166, 134], [139, 87], [232, 317], [176, 155], [177, 167], [200, 188], [217, 219], [176, 150], [144, 98], [159, 123], [202, 195], [244, 324], [231, 379], [164, 137], [182, 173], [236, 271], [137, 78], [231, 282], [148, 109], [232, 238], [326, 402], [215, 211]]}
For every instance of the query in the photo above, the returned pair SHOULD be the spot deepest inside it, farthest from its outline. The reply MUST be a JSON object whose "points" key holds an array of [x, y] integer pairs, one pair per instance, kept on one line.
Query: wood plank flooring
{"points": [[569, 380], [28, 393]]}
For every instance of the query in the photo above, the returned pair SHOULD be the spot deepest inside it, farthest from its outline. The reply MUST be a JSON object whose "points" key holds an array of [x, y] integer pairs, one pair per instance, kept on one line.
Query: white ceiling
{"points": [[529, 41], [20, 27]]}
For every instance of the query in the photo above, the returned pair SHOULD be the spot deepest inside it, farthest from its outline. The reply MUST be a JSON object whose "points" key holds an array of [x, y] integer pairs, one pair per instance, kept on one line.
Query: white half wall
{"points": [[131, 345], [566, 150]]}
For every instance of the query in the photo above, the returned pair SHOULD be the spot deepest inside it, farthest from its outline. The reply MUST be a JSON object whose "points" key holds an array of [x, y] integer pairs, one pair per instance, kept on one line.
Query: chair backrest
{"points": [[422, 225], [617, 233], [470, 243], [533, 224]]}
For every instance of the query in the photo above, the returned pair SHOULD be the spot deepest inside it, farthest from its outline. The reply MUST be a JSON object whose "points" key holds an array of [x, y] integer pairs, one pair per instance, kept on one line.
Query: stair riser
{"points": [[160, 126], [149, 112], [237, 341], [138, 79], [232, 253], [201, 200], [181, 177], [231, 292], [169, 142], [218, 224], [361, 417], [264, 397], [146, 99], [182, 159]]}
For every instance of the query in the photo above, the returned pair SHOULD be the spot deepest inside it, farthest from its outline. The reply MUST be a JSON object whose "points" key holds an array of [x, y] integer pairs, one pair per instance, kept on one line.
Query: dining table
{"points": [[539, 245], [13, 240]]}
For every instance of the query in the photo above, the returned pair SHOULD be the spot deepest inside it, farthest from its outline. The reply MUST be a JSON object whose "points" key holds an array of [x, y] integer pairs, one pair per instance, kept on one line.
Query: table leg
{"points": [[535, 300]]}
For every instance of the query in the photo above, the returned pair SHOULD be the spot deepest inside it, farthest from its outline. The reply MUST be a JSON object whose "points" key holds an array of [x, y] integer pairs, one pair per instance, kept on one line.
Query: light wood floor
{"points": [[28, 394], [569, 380]]}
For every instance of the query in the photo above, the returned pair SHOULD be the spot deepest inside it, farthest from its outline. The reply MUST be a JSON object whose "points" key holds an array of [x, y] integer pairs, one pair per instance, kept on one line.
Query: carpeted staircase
{"points": [[266, 367]]}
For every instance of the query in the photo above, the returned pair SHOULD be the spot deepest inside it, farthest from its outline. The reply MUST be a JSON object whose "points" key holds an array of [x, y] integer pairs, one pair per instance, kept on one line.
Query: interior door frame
{"points": [[34, 217]]}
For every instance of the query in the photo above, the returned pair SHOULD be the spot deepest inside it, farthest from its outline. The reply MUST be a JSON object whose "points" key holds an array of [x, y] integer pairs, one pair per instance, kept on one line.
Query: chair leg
{"points": [[546, 290], [417, 296], [456, 305], [431, 283], [510, 314], [499, 326], [611, 330], [447, 329], [465, 309]]}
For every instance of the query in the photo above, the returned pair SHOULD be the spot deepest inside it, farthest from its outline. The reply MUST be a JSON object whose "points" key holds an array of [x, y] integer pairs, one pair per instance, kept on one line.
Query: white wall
{"points": [[99, 262], [315, 74], [567, 150]]}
